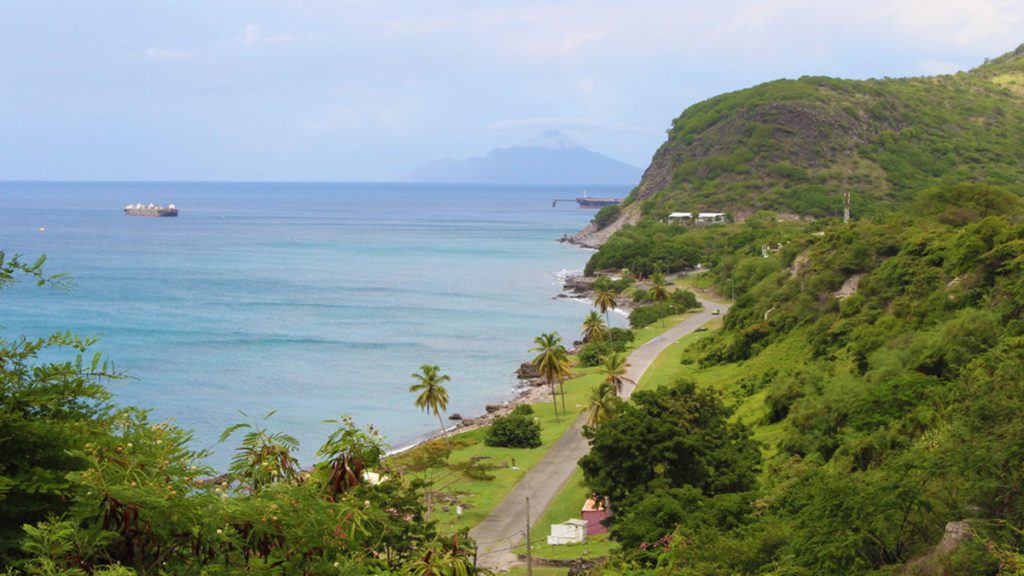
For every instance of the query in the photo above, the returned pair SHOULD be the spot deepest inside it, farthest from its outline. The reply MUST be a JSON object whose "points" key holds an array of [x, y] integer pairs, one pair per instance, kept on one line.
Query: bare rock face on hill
{"points": [[796, 146]]}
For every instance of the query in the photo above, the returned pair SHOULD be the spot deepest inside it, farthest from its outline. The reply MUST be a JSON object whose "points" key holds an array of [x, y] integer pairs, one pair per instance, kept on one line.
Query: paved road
{"points": [[504, 528]]}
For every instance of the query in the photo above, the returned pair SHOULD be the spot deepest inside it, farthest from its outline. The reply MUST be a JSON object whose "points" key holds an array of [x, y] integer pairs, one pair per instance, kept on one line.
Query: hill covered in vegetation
{"points": [[878, 366], [795, 146]]}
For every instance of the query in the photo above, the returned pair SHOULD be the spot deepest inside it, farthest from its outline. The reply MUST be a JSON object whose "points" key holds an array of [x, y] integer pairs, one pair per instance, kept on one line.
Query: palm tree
{"points": [[433, 396], [594, 328], [605, 300], [659, 288], [659, 291], [604, 402], [552, 362], [614, 370]]}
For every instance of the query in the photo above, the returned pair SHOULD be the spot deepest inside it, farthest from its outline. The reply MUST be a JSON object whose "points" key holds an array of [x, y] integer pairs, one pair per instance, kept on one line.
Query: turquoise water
{"points": [[312, 299]]}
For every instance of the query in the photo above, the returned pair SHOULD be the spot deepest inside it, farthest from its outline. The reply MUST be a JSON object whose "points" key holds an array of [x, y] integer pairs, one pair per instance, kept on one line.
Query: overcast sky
{"points": [[351, 90]]}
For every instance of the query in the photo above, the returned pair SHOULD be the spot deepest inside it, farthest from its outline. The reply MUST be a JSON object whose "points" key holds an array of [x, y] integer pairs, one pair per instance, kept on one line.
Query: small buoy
{"points": [[42, 229]]}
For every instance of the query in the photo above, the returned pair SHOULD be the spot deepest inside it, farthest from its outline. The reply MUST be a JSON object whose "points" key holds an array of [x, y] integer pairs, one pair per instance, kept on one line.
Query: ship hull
{"points": [[157, 213], [586, 202]]}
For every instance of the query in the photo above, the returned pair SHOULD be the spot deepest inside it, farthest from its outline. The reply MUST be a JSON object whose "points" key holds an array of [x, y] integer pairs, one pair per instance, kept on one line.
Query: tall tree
{"points": [[604, 402], [594, 327], [659, 291], [604, 300], [659, 288], [552, 361], [680, 434], [433, 396], [614, 371]]}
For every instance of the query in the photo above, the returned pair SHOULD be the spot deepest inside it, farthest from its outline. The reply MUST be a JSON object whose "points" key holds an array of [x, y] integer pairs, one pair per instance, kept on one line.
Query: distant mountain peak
{"points": [[551, 157], [551, 139]]}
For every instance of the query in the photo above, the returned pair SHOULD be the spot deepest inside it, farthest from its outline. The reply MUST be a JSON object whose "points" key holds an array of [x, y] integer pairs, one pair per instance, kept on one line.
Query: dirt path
{"points": [[504, 528]]}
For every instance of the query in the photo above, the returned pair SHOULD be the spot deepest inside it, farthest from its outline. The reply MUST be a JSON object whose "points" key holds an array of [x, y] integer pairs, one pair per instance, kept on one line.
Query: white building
{"points": [[680, 216], [708, 217], [572, 531]]}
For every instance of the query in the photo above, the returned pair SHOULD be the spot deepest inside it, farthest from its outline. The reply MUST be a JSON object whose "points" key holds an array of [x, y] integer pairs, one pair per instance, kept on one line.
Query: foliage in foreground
{"points": [[88, 488]]}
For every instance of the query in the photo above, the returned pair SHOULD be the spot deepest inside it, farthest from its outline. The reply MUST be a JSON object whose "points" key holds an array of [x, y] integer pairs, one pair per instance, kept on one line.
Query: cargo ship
{"points": [[168, 211], [589, 201]]}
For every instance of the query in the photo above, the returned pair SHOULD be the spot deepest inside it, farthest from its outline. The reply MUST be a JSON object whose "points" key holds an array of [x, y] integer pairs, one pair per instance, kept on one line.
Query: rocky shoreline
{"points": [[582, 288], [531, 388]]}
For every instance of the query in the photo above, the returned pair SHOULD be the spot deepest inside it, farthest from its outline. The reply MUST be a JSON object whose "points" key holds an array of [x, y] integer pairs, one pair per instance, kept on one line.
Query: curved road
{"points": [[504, 528]]}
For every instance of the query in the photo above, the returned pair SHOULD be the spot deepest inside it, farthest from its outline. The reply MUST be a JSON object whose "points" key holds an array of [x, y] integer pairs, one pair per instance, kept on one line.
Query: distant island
{"points": [[550, 158]]}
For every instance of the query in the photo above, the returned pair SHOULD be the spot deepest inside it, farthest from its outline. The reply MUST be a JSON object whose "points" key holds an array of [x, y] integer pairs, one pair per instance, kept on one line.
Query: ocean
{"points": [[314, 300]]}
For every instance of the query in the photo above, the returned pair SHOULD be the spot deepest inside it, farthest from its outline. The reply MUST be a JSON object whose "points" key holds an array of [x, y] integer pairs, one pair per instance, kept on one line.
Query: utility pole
{"points": [[529, 556], [846, 206]]}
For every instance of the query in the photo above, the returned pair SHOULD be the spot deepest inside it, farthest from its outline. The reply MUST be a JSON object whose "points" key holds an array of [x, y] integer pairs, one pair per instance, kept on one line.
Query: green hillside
{"points": [[878, 365], [794, 146]]}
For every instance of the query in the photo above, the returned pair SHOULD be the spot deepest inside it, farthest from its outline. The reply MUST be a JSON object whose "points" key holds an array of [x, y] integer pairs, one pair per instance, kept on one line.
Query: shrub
{"points": [[606, 215], [607, 283], [592, 353], [647, 315], [523, 410], [685, 298], [619, 337], [514, 431]]}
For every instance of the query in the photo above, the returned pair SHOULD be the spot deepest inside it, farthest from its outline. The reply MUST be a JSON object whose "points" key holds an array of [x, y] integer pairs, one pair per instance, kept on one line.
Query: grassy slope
{"points": [[728, 379]]}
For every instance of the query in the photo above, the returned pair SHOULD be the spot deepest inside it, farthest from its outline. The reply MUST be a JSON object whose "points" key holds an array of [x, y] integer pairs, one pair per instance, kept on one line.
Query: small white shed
{"points": [[708, 217], [572, 531]]}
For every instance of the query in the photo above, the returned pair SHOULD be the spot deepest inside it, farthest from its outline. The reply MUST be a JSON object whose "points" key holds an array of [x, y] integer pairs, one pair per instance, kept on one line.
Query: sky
{"points": [[365, 90]]}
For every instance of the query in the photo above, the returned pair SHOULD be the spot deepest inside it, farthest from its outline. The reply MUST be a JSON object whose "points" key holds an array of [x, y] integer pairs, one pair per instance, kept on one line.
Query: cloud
{"points": [[966, 23], [170, 55], [580, 124], [254, 35]]}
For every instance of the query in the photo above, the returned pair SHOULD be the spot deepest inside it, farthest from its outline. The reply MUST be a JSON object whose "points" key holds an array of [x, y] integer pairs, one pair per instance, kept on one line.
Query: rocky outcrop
{"points": [[527, 371], [593, 237], [934, 562], [657, 177], [849, 287]]}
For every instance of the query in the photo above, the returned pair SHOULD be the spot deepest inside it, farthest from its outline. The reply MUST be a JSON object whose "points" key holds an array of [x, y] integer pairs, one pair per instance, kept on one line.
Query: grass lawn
{"points": [[478, 496], [539, 571]]}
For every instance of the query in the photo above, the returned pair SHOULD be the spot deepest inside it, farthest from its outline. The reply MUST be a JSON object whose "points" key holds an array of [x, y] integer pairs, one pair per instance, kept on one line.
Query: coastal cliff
{"points": [[795, 147]]}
